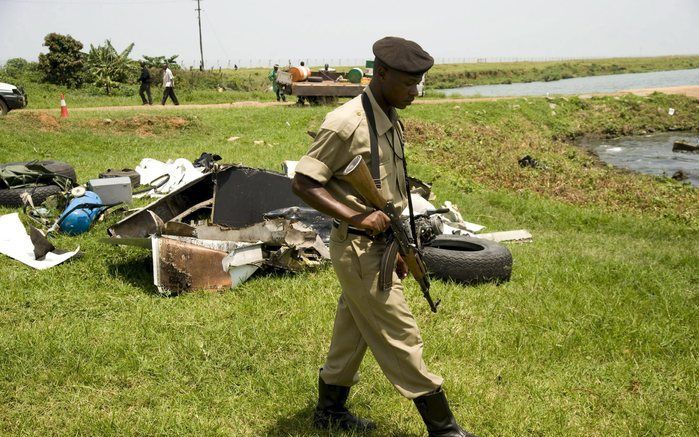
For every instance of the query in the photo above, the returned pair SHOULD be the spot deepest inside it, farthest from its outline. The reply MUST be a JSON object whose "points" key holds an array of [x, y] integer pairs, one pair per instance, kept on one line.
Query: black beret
{"points": [[402, 55]]}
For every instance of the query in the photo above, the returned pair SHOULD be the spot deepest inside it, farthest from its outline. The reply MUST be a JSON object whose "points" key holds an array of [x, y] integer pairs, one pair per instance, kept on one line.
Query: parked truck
{"points": [[326, 86], [319, 87]]}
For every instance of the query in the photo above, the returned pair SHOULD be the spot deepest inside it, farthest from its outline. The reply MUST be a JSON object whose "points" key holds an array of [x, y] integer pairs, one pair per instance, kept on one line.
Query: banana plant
{"points": [[107, 67], [158, 61]]}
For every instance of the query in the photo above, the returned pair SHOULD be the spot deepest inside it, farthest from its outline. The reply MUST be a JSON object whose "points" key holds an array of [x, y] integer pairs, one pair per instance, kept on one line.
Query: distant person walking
{"points": [[144, 90], [275, 85], [168, 85]]}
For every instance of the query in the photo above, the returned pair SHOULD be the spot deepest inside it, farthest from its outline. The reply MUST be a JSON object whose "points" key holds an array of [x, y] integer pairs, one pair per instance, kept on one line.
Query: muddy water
{"points": [[651, 154], [584, 85]]}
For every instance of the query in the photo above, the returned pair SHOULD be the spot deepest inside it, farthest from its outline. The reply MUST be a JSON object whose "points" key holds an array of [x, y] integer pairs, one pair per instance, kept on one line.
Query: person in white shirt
{"points": [[168, 85]]}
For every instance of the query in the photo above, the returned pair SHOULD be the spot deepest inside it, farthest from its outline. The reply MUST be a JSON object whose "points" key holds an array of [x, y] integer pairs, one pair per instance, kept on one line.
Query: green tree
{"points": [[108, 68], [23, 70], [64, 63], [16, 66], [19, 69]]}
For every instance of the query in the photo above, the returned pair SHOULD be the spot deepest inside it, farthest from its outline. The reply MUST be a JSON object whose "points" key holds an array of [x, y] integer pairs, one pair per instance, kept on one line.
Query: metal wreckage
{"points": [[217, 230], [215, 225], [239, 218]]}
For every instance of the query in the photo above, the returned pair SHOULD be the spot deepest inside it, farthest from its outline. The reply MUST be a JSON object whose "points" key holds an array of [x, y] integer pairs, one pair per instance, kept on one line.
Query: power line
{"points": [[218, 39]]}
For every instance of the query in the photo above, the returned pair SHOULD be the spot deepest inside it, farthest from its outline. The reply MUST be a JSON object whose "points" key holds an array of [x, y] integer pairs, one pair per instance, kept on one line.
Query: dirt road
{"points": [[690, 91]]}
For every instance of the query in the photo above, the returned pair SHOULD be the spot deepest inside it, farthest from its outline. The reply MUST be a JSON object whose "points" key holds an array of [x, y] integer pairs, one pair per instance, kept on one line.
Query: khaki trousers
{"points": [[369, 317]]}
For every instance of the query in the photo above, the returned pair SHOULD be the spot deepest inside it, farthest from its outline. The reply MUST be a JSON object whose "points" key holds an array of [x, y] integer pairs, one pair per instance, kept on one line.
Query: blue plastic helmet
{"points": [[80, 213]]}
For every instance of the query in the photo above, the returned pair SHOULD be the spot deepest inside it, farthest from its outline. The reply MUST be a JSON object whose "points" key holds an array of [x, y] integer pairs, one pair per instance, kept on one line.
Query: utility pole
{"points": [[201, 47]]}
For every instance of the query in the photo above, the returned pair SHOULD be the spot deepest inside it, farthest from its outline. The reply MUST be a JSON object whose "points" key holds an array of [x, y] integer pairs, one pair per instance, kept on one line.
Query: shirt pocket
{"points": [[385, 171], [338, 234]]}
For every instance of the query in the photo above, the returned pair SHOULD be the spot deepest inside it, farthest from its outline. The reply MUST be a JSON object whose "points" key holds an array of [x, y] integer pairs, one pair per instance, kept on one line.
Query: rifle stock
{"points": [[358, 175]]}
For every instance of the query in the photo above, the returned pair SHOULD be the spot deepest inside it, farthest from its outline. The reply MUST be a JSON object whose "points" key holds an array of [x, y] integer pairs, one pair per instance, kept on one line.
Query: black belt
{"points": [[356, 231]]}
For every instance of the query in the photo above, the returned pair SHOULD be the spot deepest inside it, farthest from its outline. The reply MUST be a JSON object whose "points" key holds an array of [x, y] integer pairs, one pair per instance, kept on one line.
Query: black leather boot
{"points": [[331, 411], [435, 412]]}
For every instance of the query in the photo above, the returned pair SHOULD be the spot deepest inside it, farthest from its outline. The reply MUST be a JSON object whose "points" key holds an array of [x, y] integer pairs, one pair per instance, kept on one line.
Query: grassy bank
{"points": [[252, 83], [191, 87], [461, 75], [596, 333]]}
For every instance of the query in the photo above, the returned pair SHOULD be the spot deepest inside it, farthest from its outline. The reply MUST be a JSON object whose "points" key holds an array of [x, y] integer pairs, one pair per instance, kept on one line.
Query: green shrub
{"points": [[64, 63]]}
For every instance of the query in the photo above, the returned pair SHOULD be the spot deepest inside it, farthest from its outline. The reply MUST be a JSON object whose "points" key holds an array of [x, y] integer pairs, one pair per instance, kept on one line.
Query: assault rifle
{"points": [[358, 175]]}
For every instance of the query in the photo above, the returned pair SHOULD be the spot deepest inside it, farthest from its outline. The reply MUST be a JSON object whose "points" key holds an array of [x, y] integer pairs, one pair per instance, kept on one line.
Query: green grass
{"points": [[596, 333], [191, 87], [252, 83], [461, 75]]}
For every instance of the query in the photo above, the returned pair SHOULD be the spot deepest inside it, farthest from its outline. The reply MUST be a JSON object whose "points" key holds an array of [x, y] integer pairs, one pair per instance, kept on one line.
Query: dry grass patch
{"points": [[142, 125], [40, 121]]}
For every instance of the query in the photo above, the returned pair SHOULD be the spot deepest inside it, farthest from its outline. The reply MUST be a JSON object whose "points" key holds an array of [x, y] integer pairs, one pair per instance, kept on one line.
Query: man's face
{"points": [[399, 88]]}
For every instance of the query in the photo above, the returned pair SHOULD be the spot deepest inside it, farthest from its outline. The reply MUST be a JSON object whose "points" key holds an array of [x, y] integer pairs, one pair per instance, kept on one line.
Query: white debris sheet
{"points": [[289, 167], [16, 243], [179, 173], [520, 235]]}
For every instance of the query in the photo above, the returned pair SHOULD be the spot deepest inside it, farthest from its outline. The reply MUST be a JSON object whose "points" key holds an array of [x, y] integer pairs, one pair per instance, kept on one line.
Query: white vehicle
{"points": [[11, 97]]}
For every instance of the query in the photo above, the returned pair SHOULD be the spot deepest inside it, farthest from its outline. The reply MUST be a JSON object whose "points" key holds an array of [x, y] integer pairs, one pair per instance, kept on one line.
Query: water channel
{"points": [[651, 154], [584, 85]]}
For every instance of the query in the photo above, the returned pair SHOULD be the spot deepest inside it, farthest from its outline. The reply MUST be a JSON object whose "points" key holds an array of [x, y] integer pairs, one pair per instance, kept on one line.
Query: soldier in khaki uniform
{"points": [[366, 315]]}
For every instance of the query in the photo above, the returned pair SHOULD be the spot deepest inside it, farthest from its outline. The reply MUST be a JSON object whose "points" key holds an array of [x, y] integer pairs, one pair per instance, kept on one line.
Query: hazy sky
{"points": [[262, 30]]}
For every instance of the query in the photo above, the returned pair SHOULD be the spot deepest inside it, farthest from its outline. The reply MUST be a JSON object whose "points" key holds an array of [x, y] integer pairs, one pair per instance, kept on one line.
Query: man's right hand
{"points": [[318, 197], [375, 221]]}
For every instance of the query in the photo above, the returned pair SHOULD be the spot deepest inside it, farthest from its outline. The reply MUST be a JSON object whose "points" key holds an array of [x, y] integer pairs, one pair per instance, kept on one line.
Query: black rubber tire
{"points": [[467, 260], [59, 167], [4, 109], [12, 196]]}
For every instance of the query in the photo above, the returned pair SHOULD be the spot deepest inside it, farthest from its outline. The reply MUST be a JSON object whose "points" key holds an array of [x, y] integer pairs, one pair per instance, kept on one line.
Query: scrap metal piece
{"points": [[207, 204], [151, 219], [424, 189], [288, 245], [308, 216], [243, 195], [182, 265], [243, 262], [181, 229], [294, 259], [276, 232], [42, 245]]}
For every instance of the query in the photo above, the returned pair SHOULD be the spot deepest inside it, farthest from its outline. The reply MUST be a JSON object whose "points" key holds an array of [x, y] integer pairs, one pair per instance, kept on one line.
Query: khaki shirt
{"points": [[343, 135]]}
